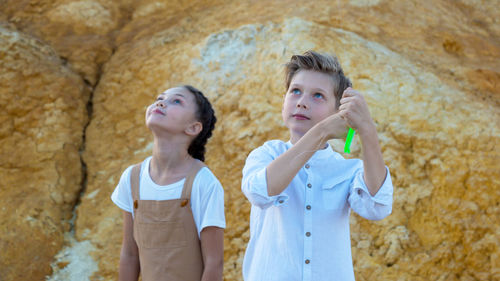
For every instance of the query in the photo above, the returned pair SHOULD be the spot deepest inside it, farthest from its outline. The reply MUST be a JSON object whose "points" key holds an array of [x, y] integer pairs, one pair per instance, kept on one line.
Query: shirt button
{"points": [[308, 207], [308, 234], [307, 166], [308, 261], [310, 185]]}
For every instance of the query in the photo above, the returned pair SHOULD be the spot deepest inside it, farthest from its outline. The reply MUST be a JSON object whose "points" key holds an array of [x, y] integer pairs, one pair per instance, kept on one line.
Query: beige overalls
{"points": [[166, 234]]}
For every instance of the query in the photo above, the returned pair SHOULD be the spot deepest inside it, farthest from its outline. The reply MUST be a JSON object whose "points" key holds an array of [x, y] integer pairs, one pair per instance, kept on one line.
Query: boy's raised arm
{"points": [[281, 171], [355, 111], [373, 163]]}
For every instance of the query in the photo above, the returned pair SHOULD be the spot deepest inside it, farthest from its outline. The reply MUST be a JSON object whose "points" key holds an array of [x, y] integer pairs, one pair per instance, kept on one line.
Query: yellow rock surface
{"points": [[43, 115], [79, 31], [430, 71]]}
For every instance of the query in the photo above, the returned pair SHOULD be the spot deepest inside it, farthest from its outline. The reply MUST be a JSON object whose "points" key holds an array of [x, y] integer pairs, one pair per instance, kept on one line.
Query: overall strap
{"points": [[134, 183], [188, 184]]}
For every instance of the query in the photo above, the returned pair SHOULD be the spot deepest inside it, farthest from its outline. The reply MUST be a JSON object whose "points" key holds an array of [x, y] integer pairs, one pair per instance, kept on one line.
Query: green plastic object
{"points": [[348, 140]]}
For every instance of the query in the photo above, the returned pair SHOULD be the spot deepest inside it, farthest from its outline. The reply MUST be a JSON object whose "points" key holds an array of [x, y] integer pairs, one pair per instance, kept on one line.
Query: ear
{"points": [[194, 129]]}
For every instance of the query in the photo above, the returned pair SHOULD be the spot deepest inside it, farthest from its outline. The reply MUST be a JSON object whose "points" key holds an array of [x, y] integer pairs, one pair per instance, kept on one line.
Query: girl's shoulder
{"points": [[125, 177], [205, 175], [206, 183]]}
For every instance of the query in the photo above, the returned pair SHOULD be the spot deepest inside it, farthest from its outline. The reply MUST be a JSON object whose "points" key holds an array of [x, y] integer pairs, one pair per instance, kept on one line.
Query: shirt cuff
{"points": [[383, 195], [258, 186]]}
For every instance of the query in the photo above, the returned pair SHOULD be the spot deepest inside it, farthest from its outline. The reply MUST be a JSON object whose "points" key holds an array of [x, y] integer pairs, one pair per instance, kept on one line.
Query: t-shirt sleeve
{"points": [[122, 195], [207, 201]]}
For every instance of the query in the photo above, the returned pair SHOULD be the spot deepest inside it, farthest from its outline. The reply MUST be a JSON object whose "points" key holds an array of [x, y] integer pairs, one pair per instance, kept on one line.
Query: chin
{"points": [[298, 131], [153, 126], [148, 124]]}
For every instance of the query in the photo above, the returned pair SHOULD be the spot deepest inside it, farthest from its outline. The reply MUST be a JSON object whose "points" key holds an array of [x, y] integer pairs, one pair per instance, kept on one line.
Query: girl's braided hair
{"points": [[206, 115]]}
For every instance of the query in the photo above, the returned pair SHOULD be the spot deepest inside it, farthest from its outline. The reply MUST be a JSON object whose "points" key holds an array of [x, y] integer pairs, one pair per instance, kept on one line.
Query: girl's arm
{"points": [[212, 248], [355, 111], [281, 171], [129, 257]]}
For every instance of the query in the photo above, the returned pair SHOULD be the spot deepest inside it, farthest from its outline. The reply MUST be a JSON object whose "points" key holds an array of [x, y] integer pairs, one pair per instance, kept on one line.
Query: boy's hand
{"points": [[333, 127], [354, 110]]}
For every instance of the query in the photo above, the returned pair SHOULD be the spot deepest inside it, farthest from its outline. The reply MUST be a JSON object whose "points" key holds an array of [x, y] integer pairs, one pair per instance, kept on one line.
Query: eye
{"points": [[318, 96], [159, 98], [176, 101], [295, 91]]}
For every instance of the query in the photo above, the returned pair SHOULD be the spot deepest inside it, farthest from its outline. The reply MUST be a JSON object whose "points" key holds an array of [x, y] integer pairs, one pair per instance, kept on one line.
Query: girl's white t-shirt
{"points": [[207, 195]]}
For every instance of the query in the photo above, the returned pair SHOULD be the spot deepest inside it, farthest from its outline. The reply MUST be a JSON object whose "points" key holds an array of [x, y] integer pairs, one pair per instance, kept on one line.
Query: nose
{"points": [[301, 103], [160, 103]]}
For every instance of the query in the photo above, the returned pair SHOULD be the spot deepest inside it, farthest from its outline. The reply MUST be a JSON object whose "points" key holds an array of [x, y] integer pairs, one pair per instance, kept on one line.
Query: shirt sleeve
{"points": [[207, 201], [254, 182], [122, 195], [371, 207]]}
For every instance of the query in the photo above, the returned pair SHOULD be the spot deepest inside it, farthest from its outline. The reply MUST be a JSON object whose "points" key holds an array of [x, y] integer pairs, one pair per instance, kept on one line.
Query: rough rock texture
{"points": [[42, 120], [79, 31], [429, 70]]}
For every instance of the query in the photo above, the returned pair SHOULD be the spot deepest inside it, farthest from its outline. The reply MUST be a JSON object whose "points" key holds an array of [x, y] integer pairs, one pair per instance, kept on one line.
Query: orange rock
{"points": [[43, 116]]}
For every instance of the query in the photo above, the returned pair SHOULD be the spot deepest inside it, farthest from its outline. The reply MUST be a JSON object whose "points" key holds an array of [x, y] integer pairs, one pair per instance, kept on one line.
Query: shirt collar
{"points": [[322, 154]]}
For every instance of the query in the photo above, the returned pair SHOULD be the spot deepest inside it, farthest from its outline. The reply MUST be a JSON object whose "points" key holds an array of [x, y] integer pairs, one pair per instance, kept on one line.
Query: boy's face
{"points": [[309, 99]]}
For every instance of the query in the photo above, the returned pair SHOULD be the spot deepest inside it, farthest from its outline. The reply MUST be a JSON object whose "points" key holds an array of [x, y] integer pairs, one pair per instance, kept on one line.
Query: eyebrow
{"points": [[180, 95], [294, 85]]}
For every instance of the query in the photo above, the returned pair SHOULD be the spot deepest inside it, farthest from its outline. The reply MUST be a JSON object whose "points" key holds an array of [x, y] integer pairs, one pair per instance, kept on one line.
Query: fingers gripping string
{"points": [[347, 146]]}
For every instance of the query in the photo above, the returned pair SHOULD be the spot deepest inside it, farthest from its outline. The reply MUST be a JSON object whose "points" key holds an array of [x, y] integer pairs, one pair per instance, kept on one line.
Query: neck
{"points": [[170, 160], [294, 138]]}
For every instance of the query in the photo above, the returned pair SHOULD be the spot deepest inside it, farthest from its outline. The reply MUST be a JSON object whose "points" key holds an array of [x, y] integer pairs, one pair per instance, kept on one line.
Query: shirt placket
{"points": [[308, 209]]}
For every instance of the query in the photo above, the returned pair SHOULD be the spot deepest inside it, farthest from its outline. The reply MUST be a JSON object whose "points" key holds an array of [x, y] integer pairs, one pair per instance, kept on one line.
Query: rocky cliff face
{"points": [[43, 116], [429, 70]]}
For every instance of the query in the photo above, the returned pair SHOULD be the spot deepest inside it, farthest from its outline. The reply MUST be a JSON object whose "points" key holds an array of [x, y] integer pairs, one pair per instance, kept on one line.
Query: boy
{"points": [[302, 191]]}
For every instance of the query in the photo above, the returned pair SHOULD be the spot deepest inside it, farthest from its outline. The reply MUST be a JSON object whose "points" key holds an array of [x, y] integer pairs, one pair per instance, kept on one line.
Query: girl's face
{"points": [[309, 99], [174, 111]]}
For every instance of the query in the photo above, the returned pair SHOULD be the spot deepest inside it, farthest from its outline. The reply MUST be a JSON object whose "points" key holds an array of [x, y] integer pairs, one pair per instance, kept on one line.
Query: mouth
{"points": [[300, 117], [158, 111]]}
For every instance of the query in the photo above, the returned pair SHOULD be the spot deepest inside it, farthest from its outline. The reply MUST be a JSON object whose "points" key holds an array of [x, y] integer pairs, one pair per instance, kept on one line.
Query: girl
{"points": [[173, 206]]}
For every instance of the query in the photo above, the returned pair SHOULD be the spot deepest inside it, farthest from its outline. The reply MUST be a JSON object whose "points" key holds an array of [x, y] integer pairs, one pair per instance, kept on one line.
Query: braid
{"points": [[206, 116]]}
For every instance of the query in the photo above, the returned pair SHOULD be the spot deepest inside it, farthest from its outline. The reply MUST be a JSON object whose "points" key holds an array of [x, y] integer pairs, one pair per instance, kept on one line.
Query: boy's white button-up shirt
{"points": [[303, 233]]}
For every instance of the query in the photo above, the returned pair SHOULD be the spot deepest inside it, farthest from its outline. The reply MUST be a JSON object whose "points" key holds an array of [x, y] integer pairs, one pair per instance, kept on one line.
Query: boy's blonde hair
{"points": [[327, 64]]}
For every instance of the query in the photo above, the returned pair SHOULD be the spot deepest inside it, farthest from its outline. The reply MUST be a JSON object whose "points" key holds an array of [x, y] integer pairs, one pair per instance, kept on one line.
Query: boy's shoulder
{"points": [[277, 144], [274, 146]]}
